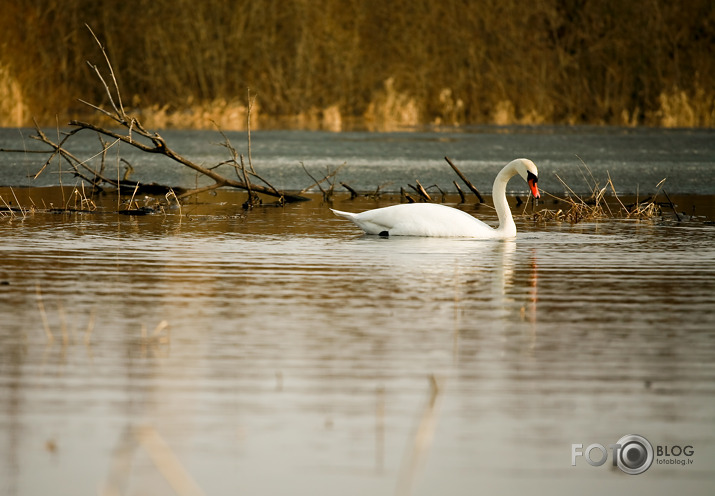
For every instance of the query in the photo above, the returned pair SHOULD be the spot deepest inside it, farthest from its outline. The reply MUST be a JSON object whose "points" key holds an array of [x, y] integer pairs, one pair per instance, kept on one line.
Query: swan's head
{"points": [[527, 170]]}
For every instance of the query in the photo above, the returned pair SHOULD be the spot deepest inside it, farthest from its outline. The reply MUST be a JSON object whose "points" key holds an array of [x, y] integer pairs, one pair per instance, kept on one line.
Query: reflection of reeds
{"points": [[154, 341], [12, 210], [160, 337], [167, 462], [422, 440], [43, 315], [160, 453], [8, 209], [90, 329]]}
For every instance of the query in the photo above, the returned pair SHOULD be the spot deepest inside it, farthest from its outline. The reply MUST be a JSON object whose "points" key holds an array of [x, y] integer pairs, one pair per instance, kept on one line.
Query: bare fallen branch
{"points": [[466, 181], [161, 148], [353, 194]]}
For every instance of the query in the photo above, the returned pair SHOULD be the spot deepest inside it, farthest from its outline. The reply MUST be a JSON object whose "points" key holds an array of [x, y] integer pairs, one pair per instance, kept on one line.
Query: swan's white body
{"points": [[429, 219]]}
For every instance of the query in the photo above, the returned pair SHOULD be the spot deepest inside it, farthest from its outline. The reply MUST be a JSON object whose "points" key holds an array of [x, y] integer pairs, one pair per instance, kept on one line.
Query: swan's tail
{"points": [[347, 215], [364, 224]]}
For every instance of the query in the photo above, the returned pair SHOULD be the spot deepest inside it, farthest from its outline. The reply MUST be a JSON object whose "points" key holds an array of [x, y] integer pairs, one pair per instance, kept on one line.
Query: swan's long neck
{"points": [[506, 223]]}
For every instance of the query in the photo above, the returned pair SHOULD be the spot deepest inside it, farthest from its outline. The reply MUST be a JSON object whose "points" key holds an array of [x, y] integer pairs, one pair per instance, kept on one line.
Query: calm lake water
{"points": [[637, 159], [280, 351]]}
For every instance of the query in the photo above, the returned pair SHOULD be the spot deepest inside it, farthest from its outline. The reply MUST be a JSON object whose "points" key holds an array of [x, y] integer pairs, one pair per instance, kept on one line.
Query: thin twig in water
{"points": [[315, 181], [17, 202], [613, 189], [588, 169], [326, 193], [251, 101], [671, 205], [132, 198], [171, 194], [8, 207]]}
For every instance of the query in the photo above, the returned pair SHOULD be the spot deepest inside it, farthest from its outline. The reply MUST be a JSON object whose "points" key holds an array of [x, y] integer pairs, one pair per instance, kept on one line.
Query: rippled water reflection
{"points": [[304, 358]]}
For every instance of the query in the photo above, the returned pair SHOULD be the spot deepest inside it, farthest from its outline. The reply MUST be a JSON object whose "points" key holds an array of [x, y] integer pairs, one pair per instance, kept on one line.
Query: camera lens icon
{"points": [[635, 455]]}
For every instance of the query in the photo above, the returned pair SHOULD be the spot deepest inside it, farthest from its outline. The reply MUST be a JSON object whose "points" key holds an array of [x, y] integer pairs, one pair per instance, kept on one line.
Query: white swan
{"points": [[430, 219]]}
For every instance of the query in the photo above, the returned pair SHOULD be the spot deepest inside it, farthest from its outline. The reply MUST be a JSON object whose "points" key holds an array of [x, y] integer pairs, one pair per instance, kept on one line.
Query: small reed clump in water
{"points": [[597, 207]]}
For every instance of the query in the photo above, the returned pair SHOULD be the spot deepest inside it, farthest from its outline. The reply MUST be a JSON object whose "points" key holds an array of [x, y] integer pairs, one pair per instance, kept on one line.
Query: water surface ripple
{"points": [[302, 357]]}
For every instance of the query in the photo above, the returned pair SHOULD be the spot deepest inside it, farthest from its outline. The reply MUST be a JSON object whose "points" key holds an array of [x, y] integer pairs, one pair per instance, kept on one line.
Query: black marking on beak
{"points": [[532, 180]]}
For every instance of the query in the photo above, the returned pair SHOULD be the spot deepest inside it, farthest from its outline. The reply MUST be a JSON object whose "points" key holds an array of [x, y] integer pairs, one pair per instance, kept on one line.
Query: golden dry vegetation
{"points": [[336, 64]]}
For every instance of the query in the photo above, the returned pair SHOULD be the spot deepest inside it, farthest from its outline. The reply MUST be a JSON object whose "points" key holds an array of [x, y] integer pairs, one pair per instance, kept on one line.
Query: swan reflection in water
{"points": [[486, 288], [489, 283]]}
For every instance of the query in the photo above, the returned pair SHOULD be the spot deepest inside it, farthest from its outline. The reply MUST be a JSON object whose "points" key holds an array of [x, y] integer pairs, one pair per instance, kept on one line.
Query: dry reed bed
{"points": [[326, 64]]}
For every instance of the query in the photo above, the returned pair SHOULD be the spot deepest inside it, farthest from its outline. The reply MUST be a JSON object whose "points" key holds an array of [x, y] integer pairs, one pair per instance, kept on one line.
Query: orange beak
{"points": [[532, 180]]}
